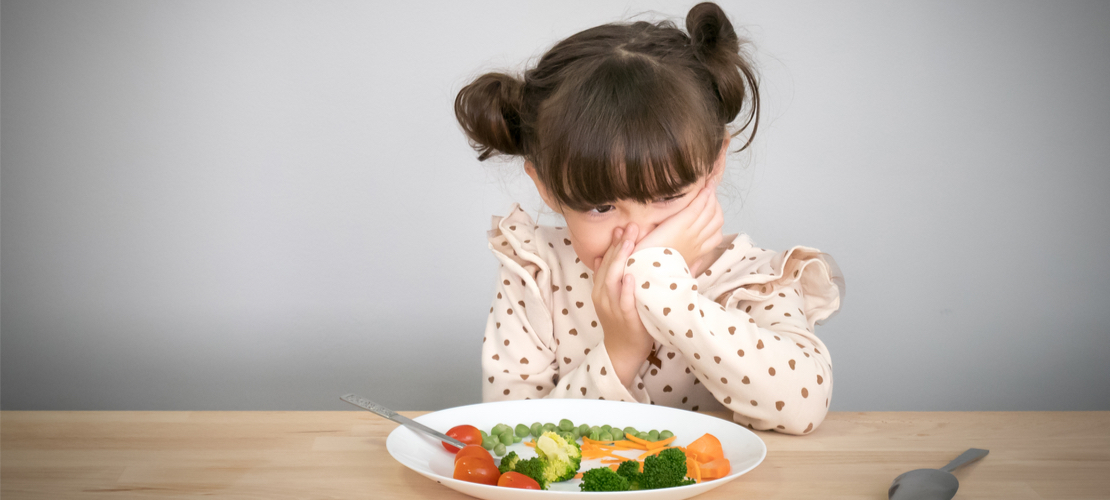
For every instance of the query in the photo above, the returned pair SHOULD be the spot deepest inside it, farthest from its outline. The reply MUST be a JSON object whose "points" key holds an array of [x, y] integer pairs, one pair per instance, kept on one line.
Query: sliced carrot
{"points": [[607, 455], [636, 440], [660, 443], [691, 465], [654, 452], [530, 444], [579, 475], [707, 448], [630, 445], [716, 469]]}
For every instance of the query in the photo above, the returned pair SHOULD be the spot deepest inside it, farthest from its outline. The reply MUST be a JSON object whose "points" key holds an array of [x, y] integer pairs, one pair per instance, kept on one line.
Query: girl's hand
{"points": [[694, 231], [626, 338]]}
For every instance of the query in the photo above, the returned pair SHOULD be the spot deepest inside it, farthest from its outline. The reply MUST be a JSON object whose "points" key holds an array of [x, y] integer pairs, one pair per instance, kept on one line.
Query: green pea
{"points": [[498, 429], [642, 435], [583, 429], [631, 430], [666, 434], [522, 430], [566, 425], [483, 433], [605, 436], [517, 439], [595, 434], [506, 437], [653, 435], [569, 436], [489, 442], [606, 428], [548, 427], [499, 450], [537, 429]]}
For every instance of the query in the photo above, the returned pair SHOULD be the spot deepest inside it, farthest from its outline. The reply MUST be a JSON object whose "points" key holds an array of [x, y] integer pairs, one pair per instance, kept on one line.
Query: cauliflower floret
{"points": [[562, 458]]}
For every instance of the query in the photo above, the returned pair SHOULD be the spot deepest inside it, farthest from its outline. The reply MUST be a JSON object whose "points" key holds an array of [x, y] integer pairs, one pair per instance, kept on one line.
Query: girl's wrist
{"points": [[626, 359]]}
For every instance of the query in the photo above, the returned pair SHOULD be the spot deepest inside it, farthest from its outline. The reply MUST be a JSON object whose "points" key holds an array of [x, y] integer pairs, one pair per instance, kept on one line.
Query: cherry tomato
{"points": [[468, 434], [476, 470], [517, 480], [474, 450]]}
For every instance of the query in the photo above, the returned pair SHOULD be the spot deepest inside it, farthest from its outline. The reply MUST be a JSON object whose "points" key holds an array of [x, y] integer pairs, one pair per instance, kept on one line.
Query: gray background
{"points": [[263, 205]]}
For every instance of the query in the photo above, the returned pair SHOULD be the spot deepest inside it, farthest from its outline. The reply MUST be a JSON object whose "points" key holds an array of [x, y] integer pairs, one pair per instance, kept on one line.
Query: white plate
{"points": [[426, 455]]}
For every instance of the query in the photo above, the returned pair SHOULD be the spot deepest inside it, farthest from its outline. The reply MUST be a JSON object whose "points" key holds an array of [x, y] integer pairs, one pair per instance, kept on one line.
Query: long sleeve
{"points": [[542, 339], [753, 347]]}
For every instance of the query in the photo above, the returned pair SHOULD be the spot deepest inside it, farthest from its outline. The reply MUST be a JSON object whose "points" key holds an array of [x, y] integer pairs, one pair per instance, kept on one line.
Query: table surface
{"points": [[342, 454]]}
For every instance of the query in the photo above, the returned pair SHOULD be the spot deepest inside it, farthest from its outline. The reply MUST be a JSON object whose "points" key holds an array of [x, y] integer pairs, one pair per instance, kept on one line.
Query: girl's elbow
{"points": [[806, 416]]}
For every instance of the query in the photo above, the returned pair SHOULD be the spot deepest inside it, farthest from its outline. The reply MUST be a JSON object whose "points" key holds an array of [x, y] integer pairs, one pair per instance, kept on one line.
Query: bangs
{"points": [[625, 128]]}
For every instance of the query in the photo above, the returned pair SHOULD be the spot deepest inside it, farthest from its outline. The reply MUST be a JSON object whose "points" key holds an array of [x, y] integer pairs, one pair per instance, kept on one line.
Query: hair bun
{"points": [[489, 111], [710, 31], [717, 46]]}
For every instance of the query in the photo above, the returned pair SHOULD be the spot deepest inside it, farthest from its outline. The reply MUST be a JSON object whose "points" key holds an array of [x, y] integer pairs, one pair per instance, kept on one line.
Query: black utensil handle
{"points": [[965, 458]]}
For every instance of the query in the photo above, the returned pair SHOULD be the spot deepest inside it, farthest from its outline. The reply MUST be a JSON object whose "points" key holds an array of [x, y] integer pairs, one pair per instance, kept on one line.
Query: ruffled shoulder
{"points": [[748, 272], [514, 240], [514, 235]]}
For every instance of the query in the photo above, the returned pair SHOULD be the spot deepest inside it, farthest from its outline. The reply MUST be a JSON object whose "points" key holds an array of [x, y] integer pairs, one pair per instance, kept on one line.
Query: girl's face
{"points": [[591, 232]]}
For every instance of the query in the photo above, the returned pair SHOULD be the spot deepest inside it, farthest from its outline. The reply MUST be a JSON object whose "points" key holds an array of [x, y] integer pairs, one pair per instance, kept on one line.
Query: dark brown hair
{"points": [[620, 111]]}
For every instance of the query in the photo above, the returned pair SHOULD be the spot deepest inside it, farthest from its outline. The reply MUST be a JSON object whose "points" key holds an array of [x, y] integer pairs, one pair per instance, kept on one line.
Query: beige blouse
{"points": [[739, 336]]}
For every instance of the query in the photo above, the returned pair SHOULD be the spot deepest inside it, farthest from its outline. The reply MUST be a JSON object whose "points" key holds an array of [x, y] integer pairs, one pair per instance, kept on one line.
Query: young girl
{"points": [[623, 129]]}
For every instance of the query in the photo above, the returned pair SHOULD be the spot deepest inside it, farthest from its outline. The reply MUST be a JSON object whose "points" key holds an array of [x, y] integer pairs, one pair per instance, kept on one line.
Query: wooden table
{"points": [[342, 454]]}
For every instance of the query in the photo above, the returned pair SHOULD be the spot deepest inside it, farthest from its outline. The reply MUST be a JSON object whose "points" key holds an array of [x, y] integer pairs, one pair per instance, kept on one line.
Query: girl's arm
{"points": [[521, 354], [755, 349]]}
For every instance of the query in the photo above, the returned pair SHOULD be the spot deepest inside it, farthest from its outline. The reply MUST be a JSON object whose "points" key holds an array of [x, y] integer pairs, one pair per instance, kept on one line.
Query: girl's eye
{"points": [[670, 198], [601, 209]]}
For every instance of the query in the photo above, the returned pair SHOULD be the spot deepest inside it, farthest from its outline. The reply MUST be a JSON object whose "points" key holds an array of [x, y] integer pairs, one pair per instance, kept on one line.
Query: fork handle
{"points": [[382, 411]]}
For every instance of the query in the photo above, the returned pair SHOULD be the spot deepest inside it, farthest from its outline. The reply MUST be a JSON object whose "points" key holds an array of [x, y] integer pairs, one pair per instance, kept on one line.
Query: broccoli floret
{"points": [[630, 470], [603, 479], [665, 470], [508, 462], [533, 468], [561, 458]]}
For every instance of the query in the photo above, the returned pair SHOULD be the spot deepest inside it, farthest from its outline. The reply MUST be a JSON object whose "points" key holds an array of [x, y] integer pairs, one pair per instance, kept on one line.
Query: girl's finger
{"points": [[602, 282], [714, 225], [614, 247], [706, 213], [712, 243], [614, 270], [633, 233], [628, 299], [695, 208]]}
